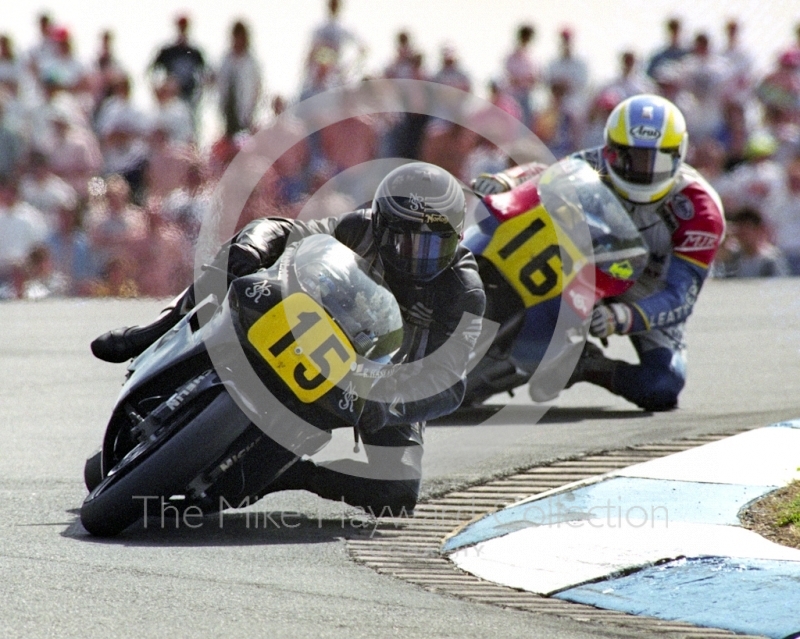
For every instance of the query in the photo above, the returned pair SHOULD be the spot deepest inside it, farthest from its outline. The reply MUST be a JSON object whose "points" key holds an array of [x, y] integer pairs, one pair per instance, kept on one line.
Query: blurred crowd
{"points": [[99, 197]]}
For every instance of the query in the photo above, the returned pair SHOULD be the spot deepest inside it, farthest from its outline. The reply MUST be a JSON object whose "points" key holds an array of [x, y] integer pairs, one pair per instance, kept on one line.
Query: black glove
{"points": [[373, 418], [243, 260]]}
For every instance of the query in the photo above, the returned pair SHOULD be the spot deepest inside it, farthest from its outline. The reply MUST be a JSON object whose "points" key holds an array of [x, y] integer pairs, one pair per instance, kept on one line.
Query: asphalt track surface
{"points": [[293, 578]]}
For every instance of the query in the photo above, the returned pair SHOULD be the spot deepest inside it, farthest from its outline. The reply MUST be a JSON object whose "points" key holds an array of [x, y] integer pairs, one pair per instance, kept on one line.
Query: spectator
{"points": [[321, 75], [672, 52], [669, 83], [708, 157], [402, 67], [740, 63], [484, 157], [348, 144], [450, 74], [75, 156], [13, 145], [106, 71], [118, 106], [105, 57], [322, 200], [44, 190], [779, 91], [168, 163], [39, 278], [43, 50], [447, 145], [118, 279], [631, 81], [185, 62], [600, 108], [522, 73], [493, 122], [222, 152], [62, 68], [755, 180], [172, 113], [10, 69], [782, 213], [568, 72], [73, 258], [117, 225], [405, 135], [122, 129], [559, 125], [188, 206], [747, 251], [739, 95], [292, 168], [21, 228], [501, 119], [332, 45], [705, 76], [164, 257], [38, 116], [239, 83]]}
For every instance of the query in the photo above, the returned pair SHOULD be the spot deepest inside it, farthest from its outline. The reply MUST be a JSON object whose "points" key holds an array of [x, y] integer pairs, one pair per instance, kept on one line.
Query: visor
{"points": [[639, 165], [420, 255]]}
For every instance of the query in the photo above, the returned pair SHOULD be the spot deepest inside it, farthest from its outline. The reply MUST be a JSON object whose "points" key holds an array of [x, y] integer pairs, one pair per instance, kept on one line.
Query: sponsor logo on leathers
{"points": [[698, 241]]}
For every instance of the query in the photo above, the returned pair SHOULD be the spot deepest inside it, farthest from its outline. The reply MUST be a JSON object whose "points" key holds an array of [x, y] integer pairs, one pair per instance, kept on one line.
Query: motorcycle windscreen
{"points": [[579, 201], [342, 283]]}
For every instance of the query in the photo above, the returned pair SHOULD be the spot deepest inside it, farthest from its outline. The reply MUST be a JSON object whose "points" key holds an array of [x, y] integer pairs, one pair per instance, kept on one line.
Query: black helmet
{"points": [[417, 219]]}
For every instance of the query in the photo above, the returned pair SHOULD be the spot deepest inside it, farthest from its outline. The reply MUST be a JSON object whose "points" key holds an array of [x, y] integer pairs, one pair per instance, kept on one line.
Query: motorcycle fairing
{"points": [[538, 260], [181, 343], [508, 205], [304, 346]]}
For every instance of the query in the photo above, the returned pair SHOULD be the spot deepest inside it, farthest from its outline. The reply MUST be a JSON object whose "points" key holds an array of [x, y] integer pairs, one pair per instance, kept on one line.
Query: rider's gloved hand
{"points": [[608, 319], [373, 417], [489, 184], [243, 260]]}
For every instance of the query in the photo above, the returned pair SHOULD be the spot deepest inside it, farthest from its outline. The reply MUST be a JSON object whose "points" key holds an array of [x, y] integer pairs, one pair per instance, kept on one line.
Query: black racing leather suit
{"points": [[433, 314]]}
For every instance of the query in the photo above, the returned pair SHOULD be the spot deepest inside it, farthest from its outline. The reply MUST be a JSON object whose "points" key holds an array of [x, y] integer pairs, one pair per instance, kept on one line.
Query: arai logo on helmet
{"points": [[645, 132]]}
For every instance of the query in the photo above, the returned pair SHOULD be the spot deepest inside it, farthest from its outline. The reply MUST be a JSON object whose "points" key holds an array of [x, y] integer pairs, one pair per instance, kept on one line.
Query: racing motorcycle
{"points": [[229, 398], [548, 250]]}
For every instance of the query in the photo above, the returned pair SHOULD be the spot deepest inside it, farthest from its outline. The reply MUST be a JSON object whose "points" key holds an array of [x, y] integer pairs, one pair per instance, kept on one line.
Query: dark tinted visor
{"points": [[421, 255]]}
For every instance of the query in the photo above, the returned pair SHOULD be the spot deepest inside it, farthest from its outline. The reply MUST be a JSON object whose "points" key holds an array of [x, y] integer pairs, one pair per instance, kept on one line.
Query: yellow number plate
{"points": [[525, 249], [304, 346]]}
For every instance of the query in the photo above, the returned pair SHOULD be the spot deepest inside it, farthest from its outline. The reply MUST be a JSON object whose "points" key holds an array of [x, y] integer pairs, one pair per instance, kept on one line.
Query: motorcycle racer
{"points": [[410, 236], [681, 218]]}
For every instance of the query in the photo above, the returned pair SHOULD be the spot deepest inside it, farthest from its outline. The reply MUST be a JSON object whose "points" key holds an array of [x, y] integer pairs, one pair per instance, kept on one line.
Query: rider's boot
{"points": [[594, 367], [121, 344], [376, 496]]}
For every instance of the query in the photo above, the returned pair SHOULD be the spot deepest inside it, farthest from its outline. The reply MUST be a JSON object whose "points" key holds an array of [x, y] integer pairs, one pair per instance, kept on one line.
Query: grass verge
{"points": [[777, 516]]}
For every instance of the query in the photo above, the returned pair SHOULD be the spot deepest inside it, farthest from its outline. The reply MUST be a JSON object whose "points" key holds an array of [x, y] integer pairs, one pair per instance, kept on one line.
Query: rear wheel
{"points": [[193, 439]]}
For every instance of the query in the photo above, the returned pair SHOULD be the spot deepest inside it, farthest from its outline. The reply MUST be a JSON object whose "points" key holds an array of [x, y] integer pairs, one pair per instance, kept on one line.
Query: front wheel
{"points": [[163, 467], [93, 471]]}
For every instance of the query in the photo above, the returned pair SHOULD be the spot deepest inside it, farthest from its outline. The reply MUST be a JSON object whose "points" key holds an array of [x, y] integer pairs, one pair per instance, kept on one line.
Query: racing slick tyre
{"points": [[93, 471], [193, 439]]}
